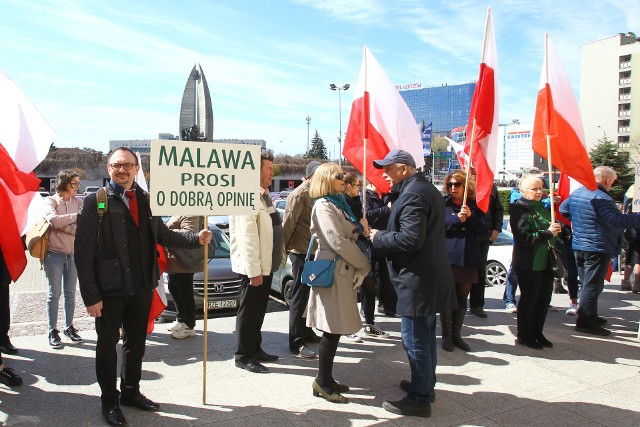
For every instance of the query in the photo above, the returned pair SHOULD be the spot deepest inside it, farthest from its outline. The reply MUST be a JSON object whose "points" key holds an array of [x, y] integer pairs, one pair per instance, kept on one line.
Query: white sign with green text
{"points": [[204, 178]]}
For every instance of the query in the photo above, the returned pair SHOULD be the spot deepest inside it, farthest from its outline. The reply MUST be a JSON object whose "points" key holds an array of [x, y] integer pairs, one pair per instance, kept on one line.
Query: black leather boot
{"points": [[457, 321], [445, 325]]}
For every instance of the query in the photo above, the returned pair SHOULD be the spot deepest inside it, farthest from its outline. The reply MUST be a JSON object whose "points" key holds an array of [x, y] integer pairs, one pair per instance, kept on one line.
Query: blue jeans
{"points": [[419, 341], [60, 268], [592, 268], [509, 296]]}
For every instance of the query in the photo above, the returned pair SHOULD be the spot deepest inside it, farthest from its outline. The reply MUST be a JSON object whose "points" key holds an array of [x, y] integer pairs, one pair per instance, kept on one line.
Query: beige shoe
{"points": [[625, 285], [183, 333]]}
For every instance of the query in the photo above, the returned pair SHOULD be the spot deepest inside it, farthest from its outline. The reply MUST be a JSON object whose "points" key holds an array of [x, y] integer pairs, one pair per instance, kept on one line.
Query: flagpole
{"points": [[364, 142], [549, 162], [473, 128], [206, 316], [466, 185]]}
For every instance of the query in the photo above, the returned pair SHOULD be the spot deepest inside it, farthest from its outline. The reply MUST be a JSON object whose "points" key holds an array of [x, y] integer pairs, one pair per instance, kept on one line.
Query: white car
{"points": [[499, 259], [280, 205]]}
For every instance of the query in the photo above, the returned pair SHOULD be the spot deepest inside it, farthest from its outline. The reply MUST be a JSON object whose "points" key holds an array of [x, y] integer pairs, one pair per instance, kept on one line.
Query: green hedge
{"points": [[505, 195]]}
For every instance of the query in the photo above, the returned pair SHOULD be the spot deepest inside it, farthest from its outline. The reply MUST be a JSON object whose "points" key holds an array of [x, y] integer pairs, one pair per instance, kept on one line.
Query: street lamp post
{"points": [[339, 89], [308, 119]]}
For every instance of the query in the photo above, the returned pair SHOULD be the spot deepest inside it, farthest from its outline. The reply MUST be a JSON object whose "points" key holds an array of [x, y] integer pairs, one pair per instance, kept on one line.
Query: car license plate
{"points": [[229, 303]]}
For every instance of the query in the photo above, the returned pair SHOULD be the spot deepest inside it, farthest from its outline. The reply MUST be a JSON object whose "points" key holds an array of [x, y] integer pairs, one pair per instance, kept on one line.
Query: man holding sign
{"points": [[116, 258], [256, 252]]}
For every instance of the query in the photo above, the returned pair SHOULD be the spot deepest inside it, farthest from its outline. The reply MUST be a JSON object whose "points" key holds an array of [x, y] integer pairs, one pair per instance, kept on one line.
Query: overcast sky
{"points": [[103, 70]]}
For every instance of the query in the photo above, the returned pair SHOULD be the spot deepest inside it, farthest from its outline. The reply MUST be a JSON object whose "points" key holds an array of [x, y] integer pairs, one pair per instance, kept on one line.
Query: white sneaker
{"points": [[573, 309], [511, 308], [183, 332], [353, 338], [175, 326]]}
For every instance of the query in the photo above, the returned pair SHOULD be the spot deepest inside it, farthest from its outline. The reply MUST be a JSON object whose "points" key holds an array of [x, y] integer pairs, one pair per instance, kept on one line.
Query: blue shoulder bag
{"points": [[318, 273]]}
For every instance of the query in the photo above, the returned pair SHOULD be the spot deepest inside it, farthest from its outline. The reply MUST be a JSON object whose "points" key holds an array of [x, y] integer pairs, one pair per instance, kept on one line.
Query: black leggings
{"points": [[368, 298], [326, 354]]}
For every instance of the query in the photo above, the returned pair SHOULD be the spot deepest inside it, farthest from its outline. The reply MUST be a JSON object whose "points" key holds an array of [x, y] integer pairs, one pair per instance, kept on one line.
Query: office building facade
{"points": [[446, 106], [610, 107]]}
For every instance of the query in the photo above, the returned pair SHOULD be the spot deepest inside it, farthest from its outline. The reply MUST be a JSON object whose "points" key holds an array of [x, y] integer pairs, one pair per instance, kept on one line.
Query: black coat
{"points": [[377, 210], [462, 238], [414, 245], [104, 266]]}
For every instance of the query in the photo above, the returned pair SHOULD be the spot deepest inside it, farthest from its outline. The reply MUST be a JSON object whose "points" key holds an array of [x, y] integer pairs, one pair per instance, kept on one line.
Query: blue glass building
{"points": [[446, 106]]}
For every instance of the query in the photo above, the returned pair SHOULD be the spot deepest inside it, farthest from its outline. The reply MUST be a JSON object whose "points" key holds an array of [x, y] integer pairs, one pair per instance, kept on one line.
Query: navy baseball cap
{"points": [[395, 156]]}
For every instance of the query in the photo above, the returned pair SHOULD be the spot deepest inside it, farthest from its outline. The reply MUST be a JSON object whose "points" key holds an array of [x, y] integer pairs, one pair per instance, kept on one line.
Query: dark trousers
{"points": [[368, 297], [386, 293], [132, 314], [536, 289], [476, 295], [251, 311], [5, 314], [181, 290], [299, 332], [572, 269], [592, 267]]}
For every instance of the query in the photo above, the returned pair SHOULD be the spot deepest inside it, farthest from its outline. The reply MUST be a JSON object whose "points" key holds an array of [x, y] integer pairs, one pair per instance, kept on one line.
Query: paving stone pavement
{"points": [[583, 380]]}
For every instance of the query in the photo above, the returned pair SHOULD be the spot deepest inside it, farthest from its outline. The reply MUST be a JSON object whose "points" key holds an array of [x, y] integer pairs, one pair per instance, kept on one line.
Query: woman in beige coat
{"points": [[334, 310]]}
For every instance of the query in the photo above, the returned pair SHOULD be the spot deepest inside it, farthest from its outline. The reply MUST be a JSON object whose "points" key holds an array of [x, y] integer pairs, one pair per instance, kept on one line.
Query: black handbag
{"points": [[318, 273], [556, 263]]}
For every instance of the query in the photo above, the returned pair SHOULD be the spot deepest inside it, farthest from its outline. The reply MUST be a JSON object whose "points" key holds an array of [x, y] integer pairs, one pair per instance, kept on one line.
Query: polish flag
{"points": [[463, 158], [159, 301], [380, 121], [482, 130], [25, 138], [558, 119]]}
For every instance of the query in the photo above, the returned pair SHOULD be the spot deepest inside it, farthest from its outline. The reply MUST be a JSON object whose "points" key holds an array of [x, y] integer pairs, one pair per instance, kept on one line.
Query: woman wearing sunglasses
{"points": [[465, 224], [352, 193], [334, 310]]}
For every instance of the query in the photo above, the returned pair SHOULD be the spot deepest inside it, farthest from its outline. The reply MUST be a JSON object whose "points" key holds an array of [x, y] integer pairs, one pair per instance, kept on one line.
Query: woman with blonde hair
{"points": [[334, 310], [533, 234], [464, 226]]}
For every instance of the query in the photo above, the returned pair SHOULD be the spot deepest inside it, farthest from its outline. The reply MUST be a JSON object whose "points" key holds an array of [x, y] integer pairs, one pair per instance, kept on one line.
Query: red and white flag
{"points": [[558, 116], [379, 114], [25, 138], [463, 158], [159, 301], [482, 129]]}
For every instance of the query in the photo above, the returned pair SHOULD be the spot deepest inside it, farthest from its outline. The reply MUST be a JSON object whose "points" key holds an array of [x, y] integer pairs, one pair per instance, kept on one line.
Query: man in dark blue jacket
{"points": [[597, 236], [414, 245]]}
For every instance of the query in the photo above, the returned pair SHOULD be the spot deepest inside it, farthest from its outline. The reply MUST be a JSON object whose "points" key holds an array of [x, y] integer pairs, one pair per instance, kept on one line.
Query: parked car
{"points": [[499, 259], [90, 190], [280, 206], [223, 284], [283, 282], [220, 221], [285, 193], [275, 195]]}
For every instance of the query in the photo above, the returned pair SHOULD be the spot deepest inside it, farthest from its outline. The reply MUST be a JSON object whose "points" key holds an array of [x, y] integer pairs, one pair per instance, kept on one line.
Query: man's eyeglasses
{"points": [[125, 166], [356, 185], [340, 176], [454, 184], [74, 184]]}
